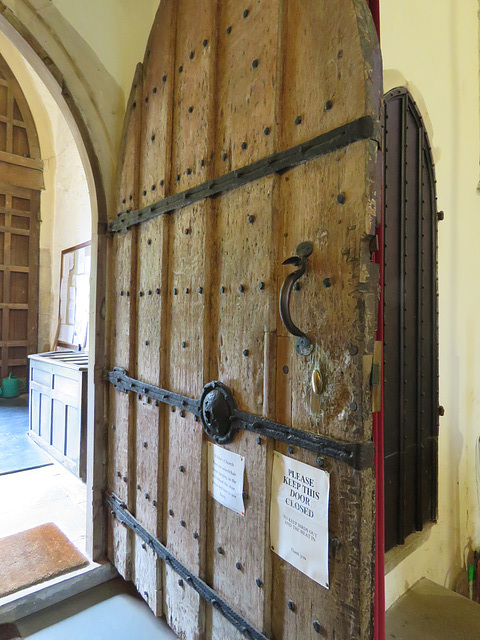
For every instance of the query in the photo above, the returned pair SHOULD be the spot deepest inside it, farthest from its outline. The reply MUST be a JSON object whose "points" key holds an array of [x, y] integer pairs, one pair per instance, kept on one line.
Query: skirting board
{"points": [[23, 603]]}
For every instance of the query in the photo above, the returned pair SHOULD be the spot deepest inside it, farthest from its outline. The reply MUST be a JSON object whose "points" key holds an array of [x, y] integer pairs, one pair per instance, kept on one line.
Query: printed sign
{"points": [[225, 477], [299, 516]]}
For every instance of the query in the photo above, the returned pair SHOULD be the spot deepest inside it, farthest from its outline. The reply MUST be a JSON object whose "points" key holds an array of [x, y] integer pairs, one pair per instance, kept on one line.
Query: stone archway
{"points": [[44, 50]]}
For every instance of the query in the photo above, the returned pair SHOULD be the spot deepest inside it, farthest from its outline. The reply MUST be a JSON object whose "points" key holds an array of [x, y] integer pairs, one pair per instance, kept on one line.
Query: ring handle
{"points": [[304, 345]]}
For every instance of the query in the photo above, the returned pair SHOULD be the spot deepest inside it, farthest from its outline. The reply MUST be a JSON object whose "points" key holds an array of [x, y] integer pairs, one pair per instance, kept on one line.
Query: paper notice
{"points": [[65, 265], [71, 293], [225, 477], [63, 312], [299, 516], [71, 313], [63, 333], [81, 260], [63, 289]]}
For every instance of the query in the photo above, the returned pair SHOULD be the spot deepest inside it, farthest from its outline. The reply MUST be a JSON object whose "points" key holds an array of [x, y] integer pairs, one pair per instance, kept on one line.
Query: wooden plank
{"points": [[246, 71], [33, 274], [185, 530], [154, 175], [325, 80], [12, 158], [149, 430], [158, 82], [345, 607], [192, 152], [194, 117], [340, 233], [244, 314], [122, 310], [21, 176]]}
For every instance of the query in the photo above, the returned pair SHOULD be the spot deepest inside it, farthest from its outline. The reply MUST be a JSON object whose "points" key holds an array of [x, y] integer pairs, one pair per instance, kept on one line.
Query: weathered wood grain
{"points": [[246, 82], [244, 305], [225, 86], [122, 252], [158, 85], [339, 206], [185, 530], [151, 273], [194, 95]]}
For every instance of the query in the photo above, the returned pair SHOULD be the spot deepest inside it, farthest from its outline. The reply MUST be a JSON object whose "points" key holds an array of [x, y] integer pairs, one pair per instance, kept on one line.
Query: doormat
{"points": [[34, 556], [18, 452]]}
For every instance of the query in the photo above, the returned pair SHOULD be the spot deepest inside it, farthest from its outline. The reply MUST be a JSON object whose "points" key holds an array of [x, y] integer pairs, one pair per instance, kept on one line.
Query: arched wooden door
{"points": [[21, 179], [250, 131]]}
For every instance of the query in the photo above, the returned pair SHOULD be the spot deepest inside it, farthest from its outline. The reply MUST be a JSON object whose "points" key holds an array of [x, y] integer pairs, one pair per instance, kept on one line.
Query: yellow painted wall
{"points": [[432, 47], [117, 30]]}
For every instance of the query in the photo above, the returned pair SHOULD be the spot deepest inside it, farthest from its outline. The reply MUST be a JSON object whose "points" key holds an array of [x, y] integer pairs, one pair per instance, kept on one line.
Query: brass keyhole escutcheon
{"points": [[317, 382]]}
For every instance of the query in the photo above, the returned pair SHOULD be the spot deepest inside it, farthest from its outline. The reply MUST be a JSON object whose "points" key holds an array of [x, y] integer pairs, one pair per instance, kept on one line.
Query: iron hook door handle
{"points": [[303, 346]]}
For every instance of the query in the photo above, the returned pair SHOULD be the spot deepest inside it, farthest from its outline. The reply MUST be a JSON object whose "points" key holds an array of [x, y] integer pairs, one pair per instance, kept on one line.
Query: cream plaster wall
{"points": [[432, 47], [117, 30], [65, 202]]}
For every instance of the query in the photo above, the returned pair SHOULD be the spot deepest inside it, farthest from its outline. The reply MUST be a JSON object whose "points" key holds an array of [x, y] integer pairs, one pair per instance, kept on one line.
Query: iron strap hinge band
{"points": [[119, 508], [359, 455], [361, 129]]}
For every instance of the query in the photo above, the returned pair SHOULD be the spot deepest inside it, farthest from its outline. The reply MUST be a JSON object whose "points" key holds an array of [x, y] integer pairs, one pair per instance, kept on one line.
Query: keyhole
{"points": [[208, 416]]}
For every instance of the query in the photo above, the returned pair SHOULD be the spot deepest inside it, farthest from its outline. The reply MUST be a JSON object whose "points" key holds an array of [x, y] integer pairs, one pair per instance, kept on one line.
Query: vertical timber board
{"points": [[243, 316], [158, 83], [150, 367], [122, 308], [189, 285], [244, 305], [246, 79], [194, 95], [193, 143], [336, 303], [330, 63], [344, 610], [333, 306], [33, 264], [155, 172]]}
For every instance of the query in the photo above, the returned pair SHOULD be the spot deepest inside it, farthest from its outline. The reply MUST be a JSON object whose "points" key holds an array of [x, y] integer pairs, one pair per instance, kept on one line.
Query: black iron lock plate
{"points": [[221, 419]]}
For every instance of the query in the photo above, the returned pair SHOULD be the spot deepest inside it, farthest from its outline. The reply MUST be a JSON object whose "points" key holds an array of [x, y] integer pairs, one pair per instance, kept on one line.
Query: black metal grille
{"points": [[410, 321]]}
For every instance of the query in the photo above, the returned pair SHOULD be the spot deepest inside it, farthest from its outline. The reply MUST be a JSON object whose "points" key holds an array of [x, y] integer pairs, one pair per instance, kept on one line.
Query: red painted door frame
{"points": [[379, 612]]}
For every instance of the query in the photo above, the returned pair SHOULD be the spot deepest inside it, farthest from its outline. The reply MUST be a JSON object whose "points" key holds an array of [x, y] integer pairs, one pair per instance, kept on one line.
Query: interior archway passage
{"points": [[21, 180]]}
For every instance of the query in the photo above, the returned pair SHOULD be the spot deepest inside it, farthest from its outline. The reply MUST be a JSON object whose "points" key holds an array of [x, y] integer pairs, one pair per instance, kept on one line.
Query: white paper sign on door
{"points": [[299, 516], [225, 477]]}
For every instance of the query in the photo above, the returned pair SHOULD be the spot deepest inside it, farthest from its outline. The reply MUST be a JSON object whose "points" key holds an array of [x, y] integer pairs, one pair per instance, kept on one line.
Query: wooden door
{"points": [[19, 210], [249, 131], [20, 182]]}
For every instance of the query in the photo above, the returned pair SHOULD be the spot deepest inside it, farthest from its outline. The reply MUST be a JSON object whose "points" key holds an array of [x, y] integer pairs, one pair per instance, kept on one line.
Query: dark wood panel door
{"points": [[19, 230]]}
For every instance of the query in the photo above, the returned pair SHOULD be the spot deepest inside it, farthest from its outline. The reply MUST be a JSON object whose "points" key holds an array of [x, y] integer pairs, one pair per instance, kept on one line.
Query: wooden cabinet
{"points": [[58, 406]]}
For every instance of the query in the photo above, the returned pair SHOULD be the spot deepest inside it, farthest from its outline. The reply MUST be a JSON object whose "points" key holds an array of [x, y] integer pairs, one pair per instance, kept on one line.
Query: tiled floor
{"points": [[47, 494]]}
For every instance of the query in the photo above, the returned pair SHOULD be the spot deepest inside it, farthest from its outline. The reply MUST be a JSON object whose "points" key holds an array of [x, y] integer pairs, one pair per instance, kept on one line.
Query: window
{"points": [[410, 321]]}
